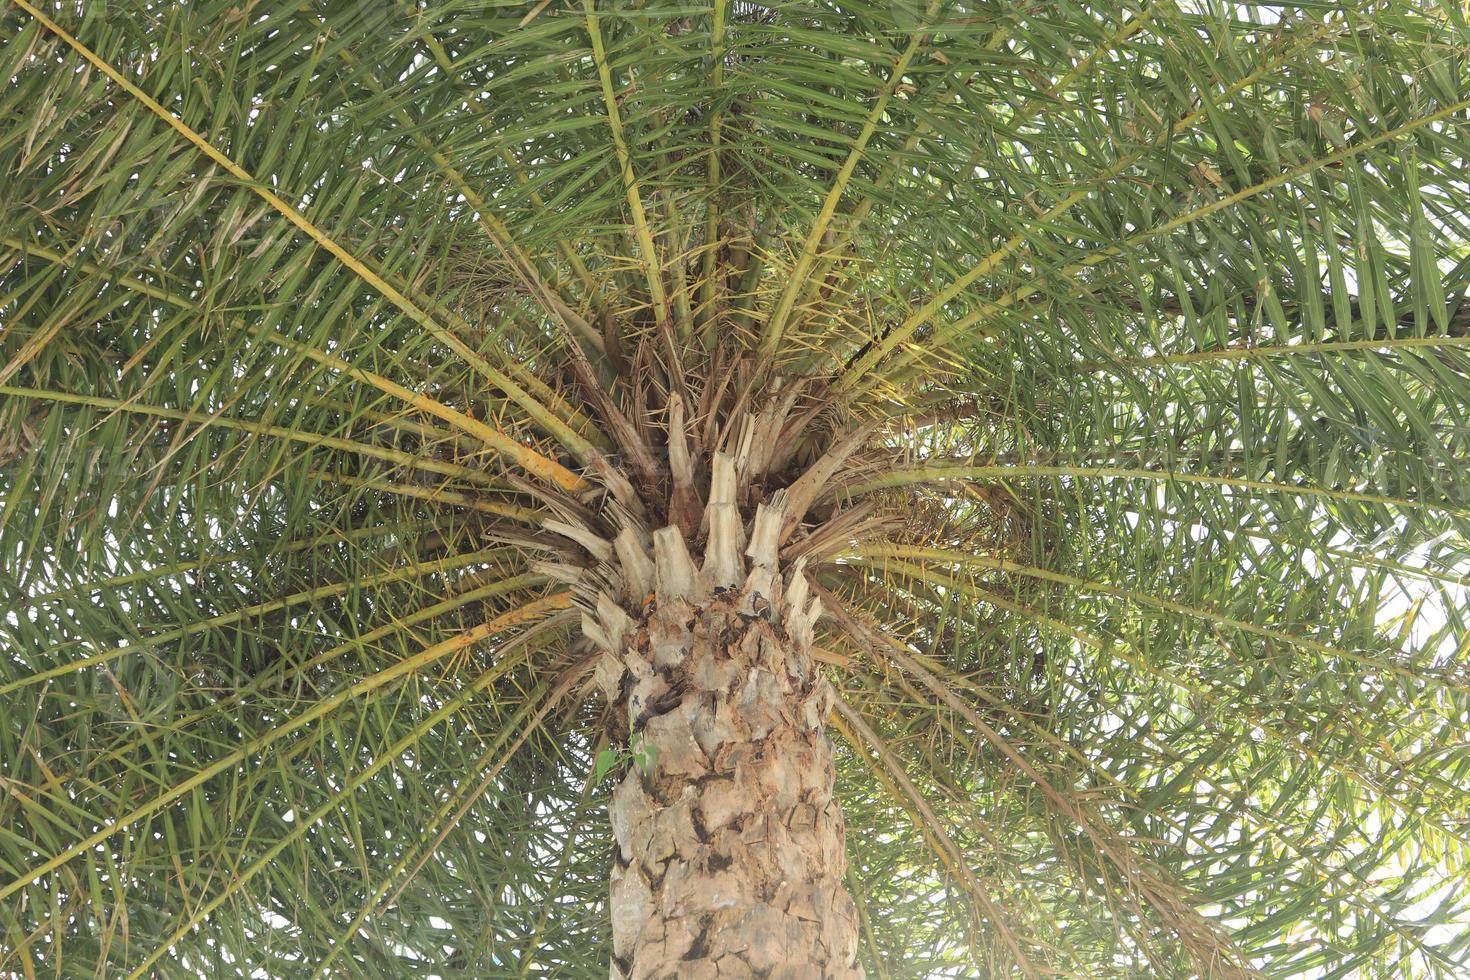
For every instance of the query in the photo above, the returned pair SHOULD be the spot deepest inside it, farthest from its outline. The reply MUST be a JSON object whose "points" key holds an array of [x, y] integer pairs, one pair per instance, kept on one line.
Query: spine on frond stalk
{"points": [[730, 846]]}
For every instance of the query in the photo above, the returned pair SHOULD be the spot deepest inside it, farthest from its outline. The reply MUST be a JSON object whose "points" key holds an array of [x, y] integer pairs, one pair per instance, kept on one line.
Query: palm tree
{"points": [[904, 487]]}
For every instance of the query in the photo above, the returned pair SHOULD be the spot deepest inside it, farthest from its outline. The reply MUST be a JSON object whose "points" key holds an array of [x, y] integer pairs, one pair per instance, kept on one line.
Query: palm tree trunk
{"points": [[730, 845], [730, 856]]}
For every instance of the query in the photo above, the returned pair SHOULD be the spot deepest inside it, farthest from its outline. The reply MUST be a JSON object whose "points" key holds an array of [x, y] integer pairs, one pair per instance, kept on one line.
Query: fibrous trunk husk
{"points": [[730, 845]]}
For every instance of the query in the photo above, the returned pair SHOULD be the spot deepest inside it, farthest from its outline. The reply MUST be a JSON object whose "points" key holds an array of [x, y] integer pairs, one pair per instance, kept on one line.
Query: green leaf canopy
{"points": [[1158, 314]]}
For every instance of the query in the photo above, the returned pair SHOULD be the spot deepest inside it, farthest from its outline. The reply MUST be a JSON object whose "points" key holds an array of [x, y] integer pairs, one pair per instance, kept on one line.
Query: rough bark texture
{"points": [[730, 850], [729, 855], [730, 846]]}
